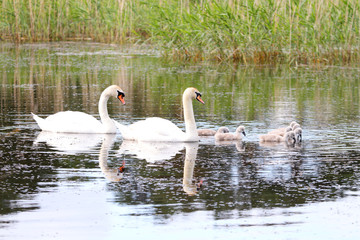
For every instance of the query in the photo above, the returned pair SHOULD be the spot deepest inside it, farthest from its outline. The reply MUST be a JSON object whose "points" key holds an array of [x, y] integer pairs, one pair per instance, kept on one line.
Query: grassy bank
{"points": [[252, 31]]}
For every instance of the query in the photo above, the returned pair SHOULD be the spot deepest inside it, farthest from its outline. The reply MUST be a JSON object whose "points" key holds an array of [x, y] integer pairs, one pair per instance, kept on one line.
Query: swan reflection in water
{"points": [[189, 185], [151, 151], [111, 174], [160, 151], [71, 144]]}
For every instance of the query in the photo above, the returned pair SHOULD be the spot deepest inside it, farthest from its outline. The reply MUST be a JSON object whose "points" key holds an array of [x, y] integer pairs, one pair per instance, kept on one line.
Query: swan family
{"points": [[155, 129]]}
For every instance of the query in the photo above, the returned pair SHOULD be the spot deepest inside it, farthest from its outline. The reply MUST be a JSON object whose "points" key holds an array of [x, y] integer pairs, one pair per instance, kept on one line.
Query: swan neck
{"points": [[103, 112], [190, 125]]}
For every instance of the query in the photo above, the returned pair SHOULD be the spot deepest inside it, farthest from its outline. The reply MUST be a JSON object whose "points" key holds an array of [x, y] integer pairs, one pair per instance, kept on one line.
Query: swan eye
{"points": [[198, 97], [120, 94]]}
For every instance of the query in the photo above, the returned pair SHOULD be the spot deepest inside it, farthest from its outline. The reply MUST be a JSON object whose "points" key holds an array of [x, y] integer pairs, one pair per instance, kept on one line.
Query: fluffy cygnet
{"points": [[298, 134], [289, 138], [223, 130], [281, 131], [227, 136], [210, 132], [206, 132]]}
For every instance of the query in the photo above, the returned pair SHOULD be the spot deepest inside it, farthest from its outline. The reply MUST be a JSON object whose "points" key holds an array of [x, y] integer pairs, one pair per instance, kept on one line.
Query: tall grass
{"points": [[247, 31], [53, 20]]}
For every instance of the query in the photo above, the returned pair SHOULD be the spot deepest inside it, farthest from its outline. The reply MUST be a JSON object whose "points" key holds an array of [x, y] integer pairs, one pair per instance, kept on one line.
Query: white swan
{"points": [[79, 122], [226, 136], [161, 130]]}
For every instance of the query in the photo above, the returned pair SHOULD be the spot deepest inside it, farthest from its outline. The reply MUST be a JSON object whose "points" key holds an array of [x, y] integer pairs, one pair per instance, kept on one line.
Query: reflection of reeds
{"points": [[251, 31], [53, 82]]}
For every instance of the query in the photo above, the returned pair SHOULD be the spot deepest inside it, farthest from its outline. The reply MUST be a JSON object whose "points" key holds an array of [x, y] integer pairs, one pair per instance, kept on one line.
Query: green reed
{"points": [[247, 31]]}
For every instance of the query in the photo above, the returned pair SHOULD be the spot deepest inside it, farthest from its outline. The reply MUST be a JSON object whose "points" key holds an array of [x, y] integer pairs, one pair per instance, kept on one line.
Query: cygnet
{"points": [[281, 131], [227, 136], [298, 134], [289, 138], [210, 132], [206, 132]]}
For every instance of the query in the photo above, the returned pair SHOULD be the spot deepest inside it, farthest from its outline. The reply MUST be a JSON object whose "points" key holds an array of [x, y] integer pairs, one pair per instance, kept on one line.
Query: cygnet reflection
{"points": [[151, 151], [69, 143], [190, 186], [239, 145]]}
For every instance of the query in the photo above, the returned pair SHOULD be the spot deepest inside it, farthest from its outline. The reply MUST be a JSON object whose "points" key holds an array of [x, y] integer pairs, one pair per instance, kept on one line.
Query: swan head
{"points": [[193, 93], [241, 129], [120, 96], [116, 92]]}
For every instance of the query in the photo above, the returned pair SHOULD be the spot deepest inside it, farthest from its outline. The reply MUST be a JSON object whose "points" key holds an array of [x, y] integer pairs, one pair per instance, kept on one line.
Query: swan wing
{"points": [[70, 122], [152, 129], [157, 129]]}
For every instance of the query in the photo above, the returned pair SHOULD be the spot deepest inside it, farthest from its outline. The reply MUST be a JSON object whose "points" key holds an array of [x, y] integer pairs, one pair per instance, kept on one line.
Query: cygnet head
{"points": [[295, 126], [288, 129], [193, 93], [298, 134], [116, 92], [241, 129], [223, 130], [292, 124], [290, 137]]}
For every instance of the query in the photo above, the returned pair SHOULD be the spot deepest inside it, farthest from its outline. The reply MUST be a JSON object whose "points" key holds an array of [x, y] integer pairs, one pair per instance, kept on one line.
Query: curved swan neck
{"points": [[190, 125], [103, 112]]}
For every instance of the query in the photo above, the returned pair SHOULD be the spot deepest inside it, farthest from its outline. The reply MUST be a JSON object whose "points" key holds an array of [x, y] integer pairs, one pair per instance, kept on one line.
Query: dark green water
{"points": [[66, 186]]}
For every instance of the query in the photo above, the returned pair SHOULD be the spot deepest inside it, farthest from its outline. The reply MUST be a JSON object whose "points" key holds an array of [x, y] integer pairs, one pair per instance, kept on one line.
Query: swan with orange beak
{"points": [[157, 129]]}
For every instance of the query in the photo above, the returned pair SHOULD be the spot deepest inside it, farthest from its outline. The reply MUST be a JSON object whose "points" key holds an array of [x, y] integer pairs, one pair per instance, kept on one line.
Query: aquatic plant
{"points": [[251, 31]]}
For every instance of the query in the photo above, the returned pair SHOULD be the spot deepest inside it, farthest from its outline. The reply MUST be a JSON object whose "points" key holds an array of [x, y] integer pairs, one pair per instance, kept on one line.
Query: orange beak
{"points": [[199, 99], [121, 98]]}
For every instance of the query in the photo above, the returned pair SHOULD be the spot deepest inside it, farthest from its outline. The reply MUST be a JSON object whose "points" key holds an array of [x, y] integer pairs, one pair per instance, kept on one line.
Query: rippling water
{"points": [[68, 186]]}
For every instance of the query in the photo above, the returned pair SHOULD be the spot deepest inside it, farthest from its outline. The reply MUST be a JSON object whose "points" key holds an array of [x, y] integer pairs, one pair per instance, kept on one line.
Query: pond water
{"points": [[67, 186]]}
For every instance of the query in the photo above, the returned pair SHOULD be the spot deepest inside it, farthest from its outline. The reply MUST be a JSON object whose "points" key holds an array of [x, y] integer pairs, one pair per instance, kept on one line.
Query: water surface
{"points": [[67, 186]]}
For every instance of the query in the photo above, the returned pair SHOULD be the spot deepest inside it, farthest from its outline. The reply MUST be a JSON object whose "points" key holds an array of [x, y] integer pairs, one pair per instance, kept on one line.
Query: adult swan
{"points": [[79, 122], [161, 130]]}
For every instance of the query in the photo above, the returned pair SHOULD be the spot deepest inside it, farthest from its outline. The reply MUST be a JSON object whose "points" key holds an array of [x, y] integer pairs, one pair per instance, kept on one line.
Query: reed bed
{"points": [[246, 31]]}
